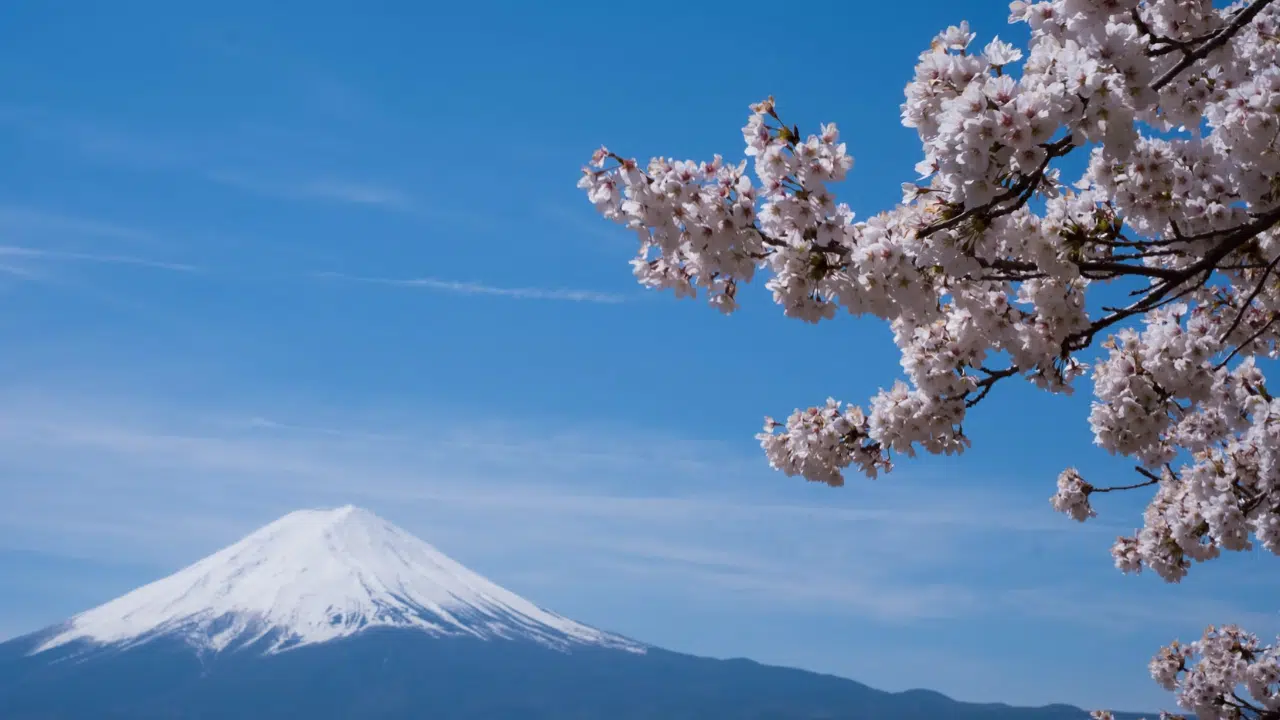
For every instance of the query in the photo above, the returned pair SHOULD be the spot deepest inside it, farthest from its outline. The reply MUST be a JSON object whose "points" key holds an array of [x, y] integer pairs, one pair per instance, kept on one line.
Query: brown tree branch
{"points": [[1262, 282], [1230, 242], [1023, 190], [1217, 40]]}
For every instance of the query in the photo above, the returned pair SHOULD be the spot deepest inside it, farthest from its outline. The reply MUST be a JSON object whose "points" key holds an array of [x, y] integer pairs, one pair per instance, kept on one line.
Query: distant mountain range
{"points": [[338, 614]]}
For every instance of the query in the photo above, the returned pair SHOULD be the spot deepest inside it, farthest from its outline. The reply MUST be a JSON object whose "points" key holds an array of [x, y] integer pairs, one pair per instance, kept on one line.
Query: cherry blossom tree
{"points": [[984, 272]]}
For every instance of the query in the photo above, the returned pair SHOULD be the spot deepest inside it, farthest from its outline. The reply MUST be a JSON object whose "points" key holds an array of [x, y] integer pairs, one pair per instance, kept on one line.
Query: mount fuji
{"points": [[340, 614], [314, 576]]}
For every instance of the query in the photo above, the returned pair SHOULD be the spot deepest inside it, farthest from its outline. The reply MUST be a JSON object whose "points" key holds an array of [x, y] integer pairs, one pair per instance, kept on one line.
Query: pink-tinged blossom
{"points": [[984, 270]]}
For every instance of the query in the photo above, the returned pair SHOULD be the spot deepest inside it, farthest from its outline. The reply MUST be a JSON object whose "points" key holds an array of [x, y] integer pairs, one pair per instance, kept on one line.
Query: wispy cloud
{"points": [[1114, 611], [14, 251], [261, 423], [474, 288], [618, 507], [23, 220], [20, 271], [336, 190], [259, 168], [39, 241]]}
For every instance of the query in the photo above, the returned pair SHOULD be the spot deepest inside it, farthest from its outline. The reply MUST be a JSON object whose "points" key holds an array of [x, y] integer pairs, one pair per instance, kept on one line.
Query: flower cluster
{"points": [[1209, 673], [1072, 497], [984, 270], [817, 443]]}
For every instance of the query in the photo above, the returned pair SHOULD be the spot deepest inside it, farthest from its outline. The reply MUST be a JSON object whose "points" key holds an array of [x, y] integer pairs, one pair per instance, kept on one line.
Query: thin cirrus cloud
{"points": [[30, 253], [199, 156], [474, 288], [227, 482], [30, 231], [111, 479], [23, 220], [340, 191]]}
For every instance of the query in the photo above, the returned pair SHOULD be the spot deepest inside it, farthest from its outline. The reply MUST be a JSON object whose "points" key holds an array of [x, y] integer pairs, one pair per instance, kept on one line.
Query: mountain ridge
{"points": [[316, 575], [240, 634], [391, 674]]}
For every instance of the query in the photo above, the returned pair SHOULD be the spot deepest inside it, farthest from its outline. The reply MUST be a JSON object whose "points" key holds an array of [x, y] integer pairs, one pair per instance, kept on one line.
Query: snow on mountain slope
{"points": [[317, 575]]}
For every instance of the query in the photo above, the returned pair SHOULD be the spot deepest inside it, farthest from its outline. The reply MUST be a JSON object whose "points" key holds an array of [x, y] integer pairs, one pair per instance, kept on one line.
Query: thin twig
{"points": [[1022, 190], [1249, 341], [1218, 39], [1249, 300]]}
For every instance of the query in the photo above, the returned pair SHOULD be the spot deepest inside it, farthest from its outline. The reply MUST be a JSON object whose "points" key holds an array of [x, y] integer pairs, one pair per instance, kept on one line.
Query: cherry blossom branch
{"points": [[1023, 190], [1217, 40], [1204, 268], [1153, 480], [967, 267], [984, 385], [1244, 307], [1248, 341], [1167, 45]]}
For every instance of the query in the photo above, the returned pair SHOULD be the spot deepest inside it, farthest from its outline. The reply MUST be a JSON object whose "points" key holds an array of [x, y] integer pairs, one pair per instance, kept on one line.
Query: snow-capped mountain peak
{"points": [[318, 575]]}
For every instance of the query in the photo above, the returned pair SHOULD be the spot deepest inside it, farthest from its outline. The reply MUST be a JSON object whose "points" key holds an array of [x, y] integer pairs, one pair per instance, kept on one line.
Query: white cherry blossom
{"points": [[985, 270]]}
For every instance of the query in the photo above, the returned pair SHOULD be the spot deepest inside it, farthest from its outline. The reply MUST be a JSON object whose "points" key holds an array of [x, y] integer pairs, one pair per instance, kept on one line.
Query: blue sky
{"points": [[260, 258]]}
